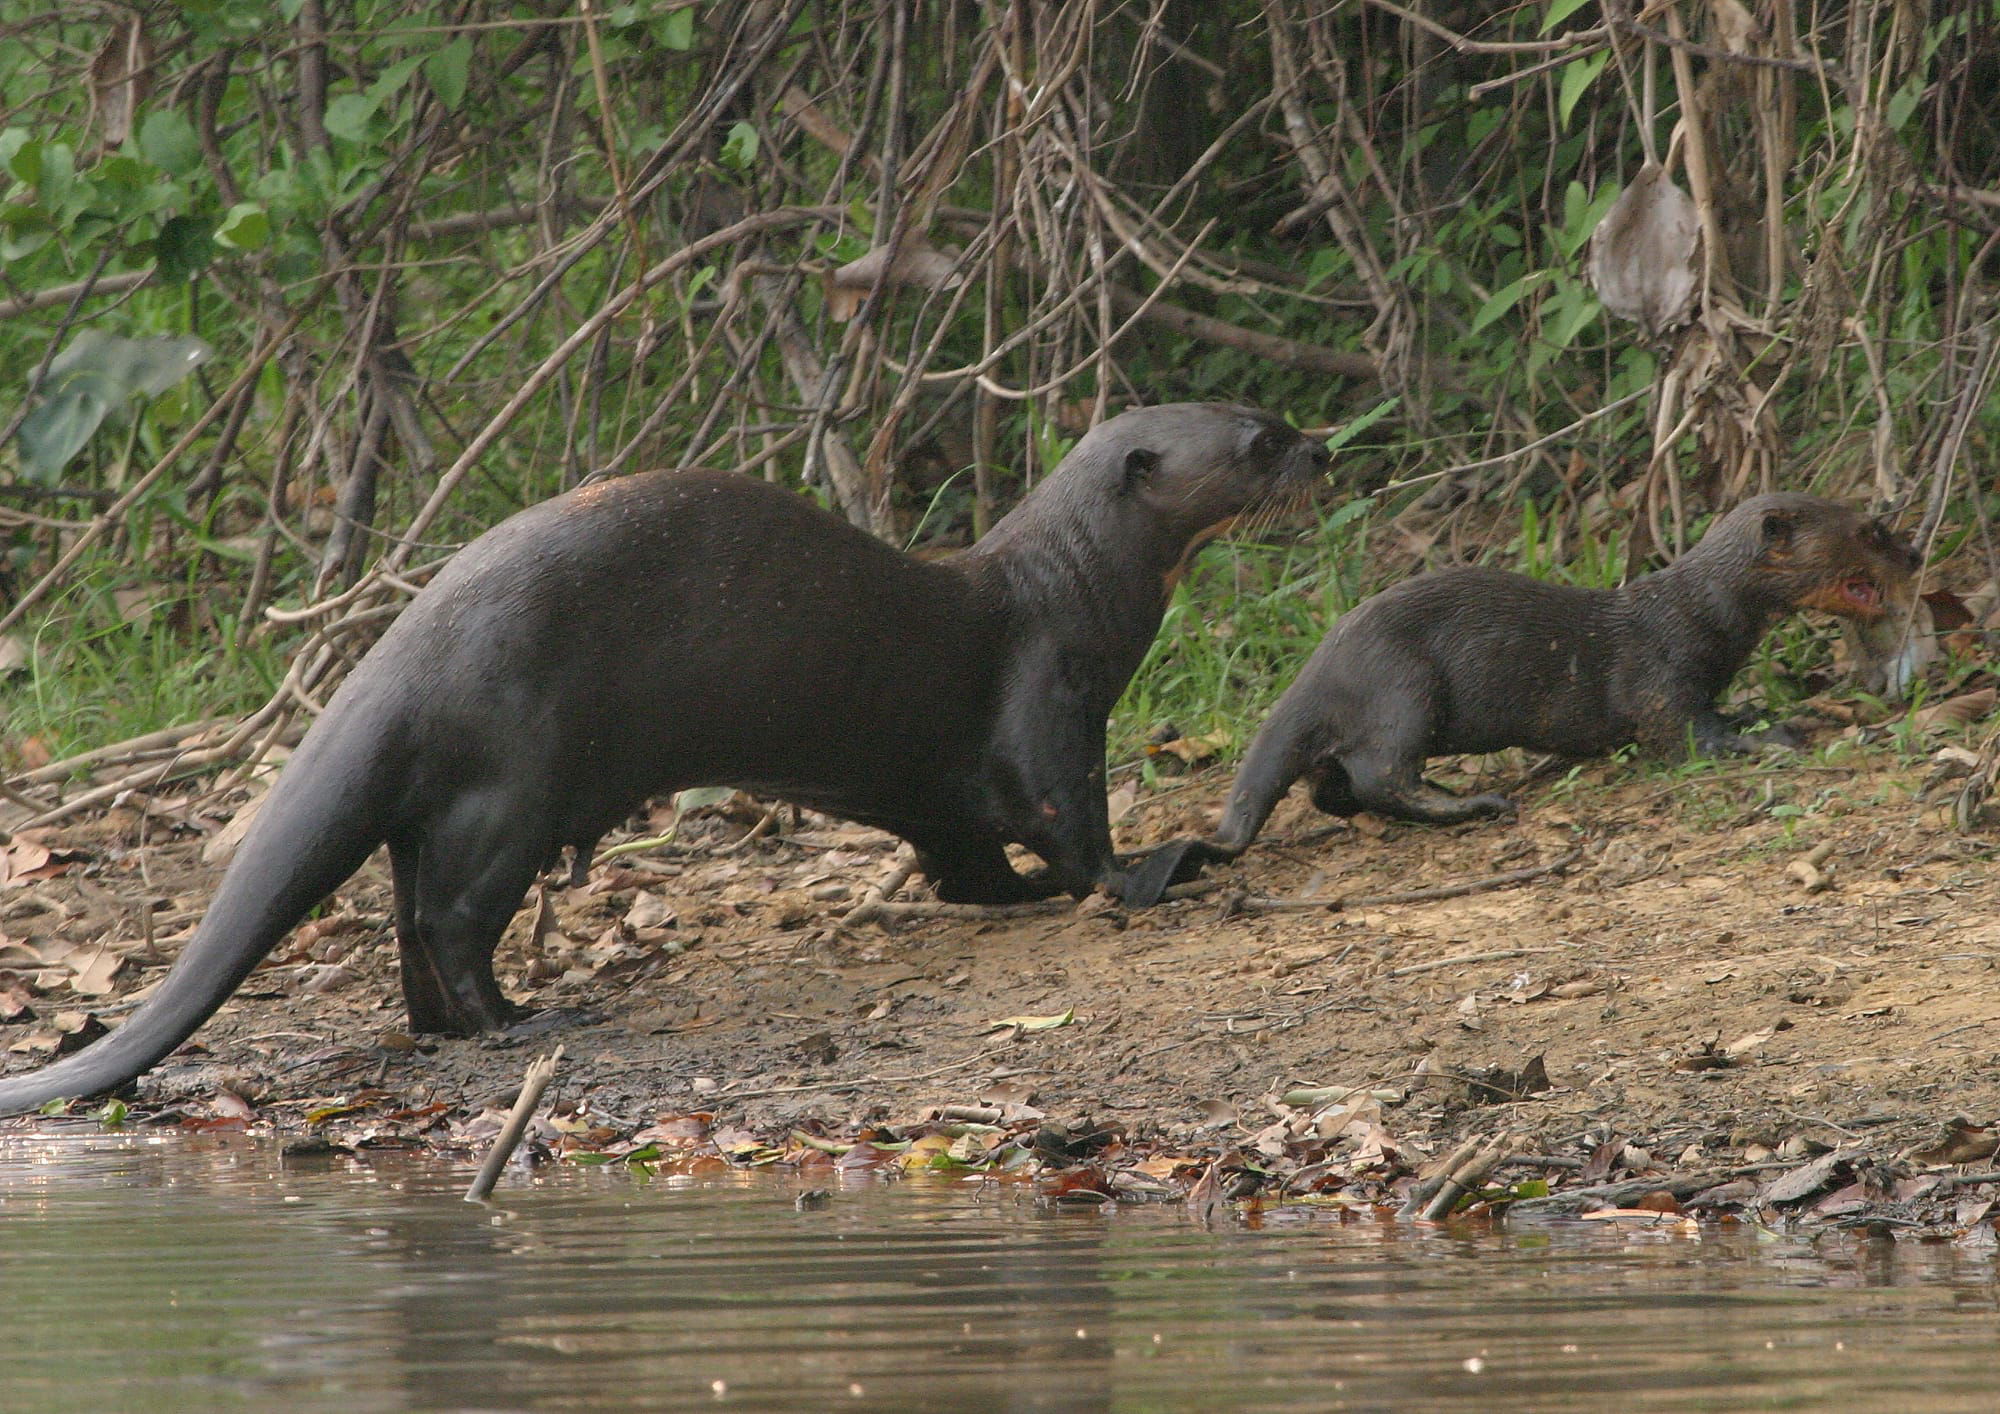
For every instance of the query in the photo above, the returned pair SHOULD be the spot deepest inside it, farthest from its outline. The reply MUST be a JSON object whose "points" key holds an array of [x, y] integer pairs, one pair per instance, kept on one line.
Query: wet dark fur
{"points": [[1473, 660], [673, 630]]}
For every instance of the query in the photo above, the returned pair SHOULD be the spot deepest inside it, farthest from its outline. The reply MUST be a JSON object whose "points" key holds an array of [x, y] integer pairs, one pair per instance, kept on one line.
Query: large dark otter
{"points": [[673, 630], [1472, 659]]}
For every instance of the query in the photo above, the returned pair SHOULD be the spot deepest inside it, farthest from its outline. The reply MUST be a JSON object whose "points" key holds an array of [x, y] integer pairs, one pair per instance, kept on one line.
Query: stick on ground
{"points": [[540, 1072]]}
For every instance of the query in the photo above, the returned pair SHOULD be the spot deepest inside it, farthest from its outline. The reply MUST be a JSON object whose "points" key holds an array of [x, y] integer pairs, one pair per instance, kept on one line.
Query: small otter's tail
{"points": [[1284, 748], [311, 833]]}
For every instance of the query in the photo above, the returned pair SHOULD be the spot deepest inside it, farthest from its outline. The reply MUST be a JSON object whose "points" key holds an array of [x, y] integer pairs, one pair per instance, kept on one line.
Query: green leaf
{"points": [[676, 30], [1899, 108], [184, 246], [246, 227], [58, 176], [1505, 298], [1362, 423], [1324, 262], [167, 140], [1573, 308], [391, 80], [1558, 11], [112, 1114], [24, 159], [739, 149], [60, 425], [1350, 510], [23, 230], [699, 796], [1581, 215], [448, 70], [1578, 76], [347, 116], [96, 373]]}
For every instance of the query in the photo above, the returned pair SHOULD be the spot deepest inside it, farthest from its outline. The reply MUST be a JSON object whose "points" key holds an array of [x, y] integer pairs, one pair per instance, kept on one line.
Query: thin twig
{"points": [[1256, 903], [540, 1072]]}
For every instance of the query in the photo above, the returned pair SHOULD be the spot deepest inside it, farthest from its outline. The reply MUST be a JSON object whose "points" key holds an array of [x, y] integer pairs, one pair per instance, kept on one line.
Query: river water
{"points": [[141, 1273]]}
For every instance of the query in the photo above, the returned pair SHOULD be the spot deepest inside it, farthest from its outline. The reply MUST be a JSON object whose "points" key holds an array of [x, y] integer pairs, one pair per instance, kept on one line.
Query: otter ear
{"points": [[1140, 465]]}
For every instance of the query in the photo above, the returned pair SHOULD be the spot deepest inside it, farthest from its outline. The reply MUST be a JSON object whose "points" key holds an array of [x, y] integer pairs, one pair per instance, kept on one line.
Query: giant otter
{"points": [[1474, 659], [672, 630]]}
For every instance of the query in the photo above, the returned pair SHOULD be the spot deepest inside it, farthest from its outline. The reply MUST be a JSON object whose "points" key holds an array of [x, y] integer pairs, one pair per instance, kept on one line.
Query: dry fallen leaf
{"points": [[1035, 1023], [1645, 254], [649, 911], [918, 263], [1957, 711], [1647, 1218], [1193, 750], [1008, 1092], [94, 978], [1745, 1044], [220, 846], [121, 75], [1217, 1112], [1804, 1181], [1963, 1143]]}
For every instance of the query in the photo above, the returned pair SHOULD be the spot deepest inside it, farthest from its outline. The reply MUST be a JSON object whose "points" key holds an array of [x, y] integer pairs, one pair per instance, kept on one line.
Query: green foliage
{"points": [[95, 375], [441, 200]]}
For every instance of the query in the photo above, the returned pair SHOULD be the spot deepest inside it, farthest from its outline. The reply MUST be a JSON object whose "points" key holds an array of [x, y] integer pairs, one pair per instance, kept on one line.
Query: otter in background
{"points": [[1474, 660]]}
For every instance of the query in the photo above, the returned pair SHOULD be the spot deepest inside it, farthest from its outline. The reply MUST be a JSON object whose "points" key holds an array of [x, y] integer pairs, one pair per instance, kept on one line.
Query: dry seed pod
{"points": [[1645, 255]]}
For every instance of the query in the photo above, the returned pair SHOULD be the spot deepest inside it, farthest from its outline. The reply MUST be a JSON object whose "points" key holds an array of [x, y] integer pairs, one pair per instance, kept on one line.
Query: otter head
{"points": [[1192, 471], [1817, 554]]}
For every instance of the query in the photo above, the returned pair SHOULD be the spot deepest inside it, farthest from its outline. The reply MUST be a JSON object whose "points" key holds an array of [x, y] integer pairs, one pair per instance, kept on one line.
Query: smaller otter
{"points": [[1475, 659]]}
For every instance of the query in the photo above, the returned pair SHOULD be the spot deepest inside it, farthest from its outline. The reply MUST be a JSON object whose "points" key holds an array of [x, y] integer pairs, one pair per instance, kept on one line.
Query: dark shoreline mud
{"points": [[1656, 991]]}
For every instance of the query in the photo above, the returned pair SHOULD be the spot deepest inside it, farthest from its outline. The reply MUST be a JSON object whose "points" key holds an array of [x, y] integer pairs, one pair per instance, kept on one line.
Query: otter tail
{"points": [[311, 833], [1283, 750]]}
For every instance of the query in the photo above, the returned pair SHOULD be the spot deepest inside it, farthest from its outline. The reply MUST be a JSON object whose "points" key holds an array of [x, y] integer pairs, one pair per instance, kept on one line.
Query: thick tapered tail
{"points": [[1278, 756], [311, 834]]}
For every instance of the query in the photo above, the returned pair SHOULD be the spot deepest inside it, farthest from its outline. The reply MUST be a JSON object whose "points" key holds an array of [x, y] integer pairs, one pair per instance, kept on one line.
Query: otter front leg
{"points": [[1042, 784], [970, 866]]}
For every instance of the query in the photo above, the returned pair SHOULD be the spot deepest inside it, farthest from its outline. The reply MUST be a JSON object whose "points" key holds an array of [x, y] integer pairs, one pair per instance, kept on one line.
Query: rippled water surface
{"points": [[141, 1273]]}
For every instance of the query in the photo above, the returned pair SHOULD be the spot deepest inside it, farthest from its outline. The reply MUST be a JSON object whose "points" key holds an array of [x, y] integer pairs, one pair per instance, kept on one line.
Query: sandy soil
{"points": [[1741, 963]]}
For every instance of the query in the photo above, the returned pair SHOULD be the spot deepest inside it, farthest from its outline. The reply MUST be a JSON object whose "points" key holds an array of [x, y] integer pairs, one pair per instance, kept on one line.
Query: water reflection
{"points": [[143, 1273]]}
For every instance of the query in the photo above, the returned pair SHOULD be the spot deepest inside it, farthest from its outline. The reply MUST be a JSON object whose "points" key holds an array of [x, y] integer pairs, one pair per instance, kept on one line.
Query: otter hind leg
{"points": [[1392, 783], [429, 1010], [456, 890], [1332, 790]]}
